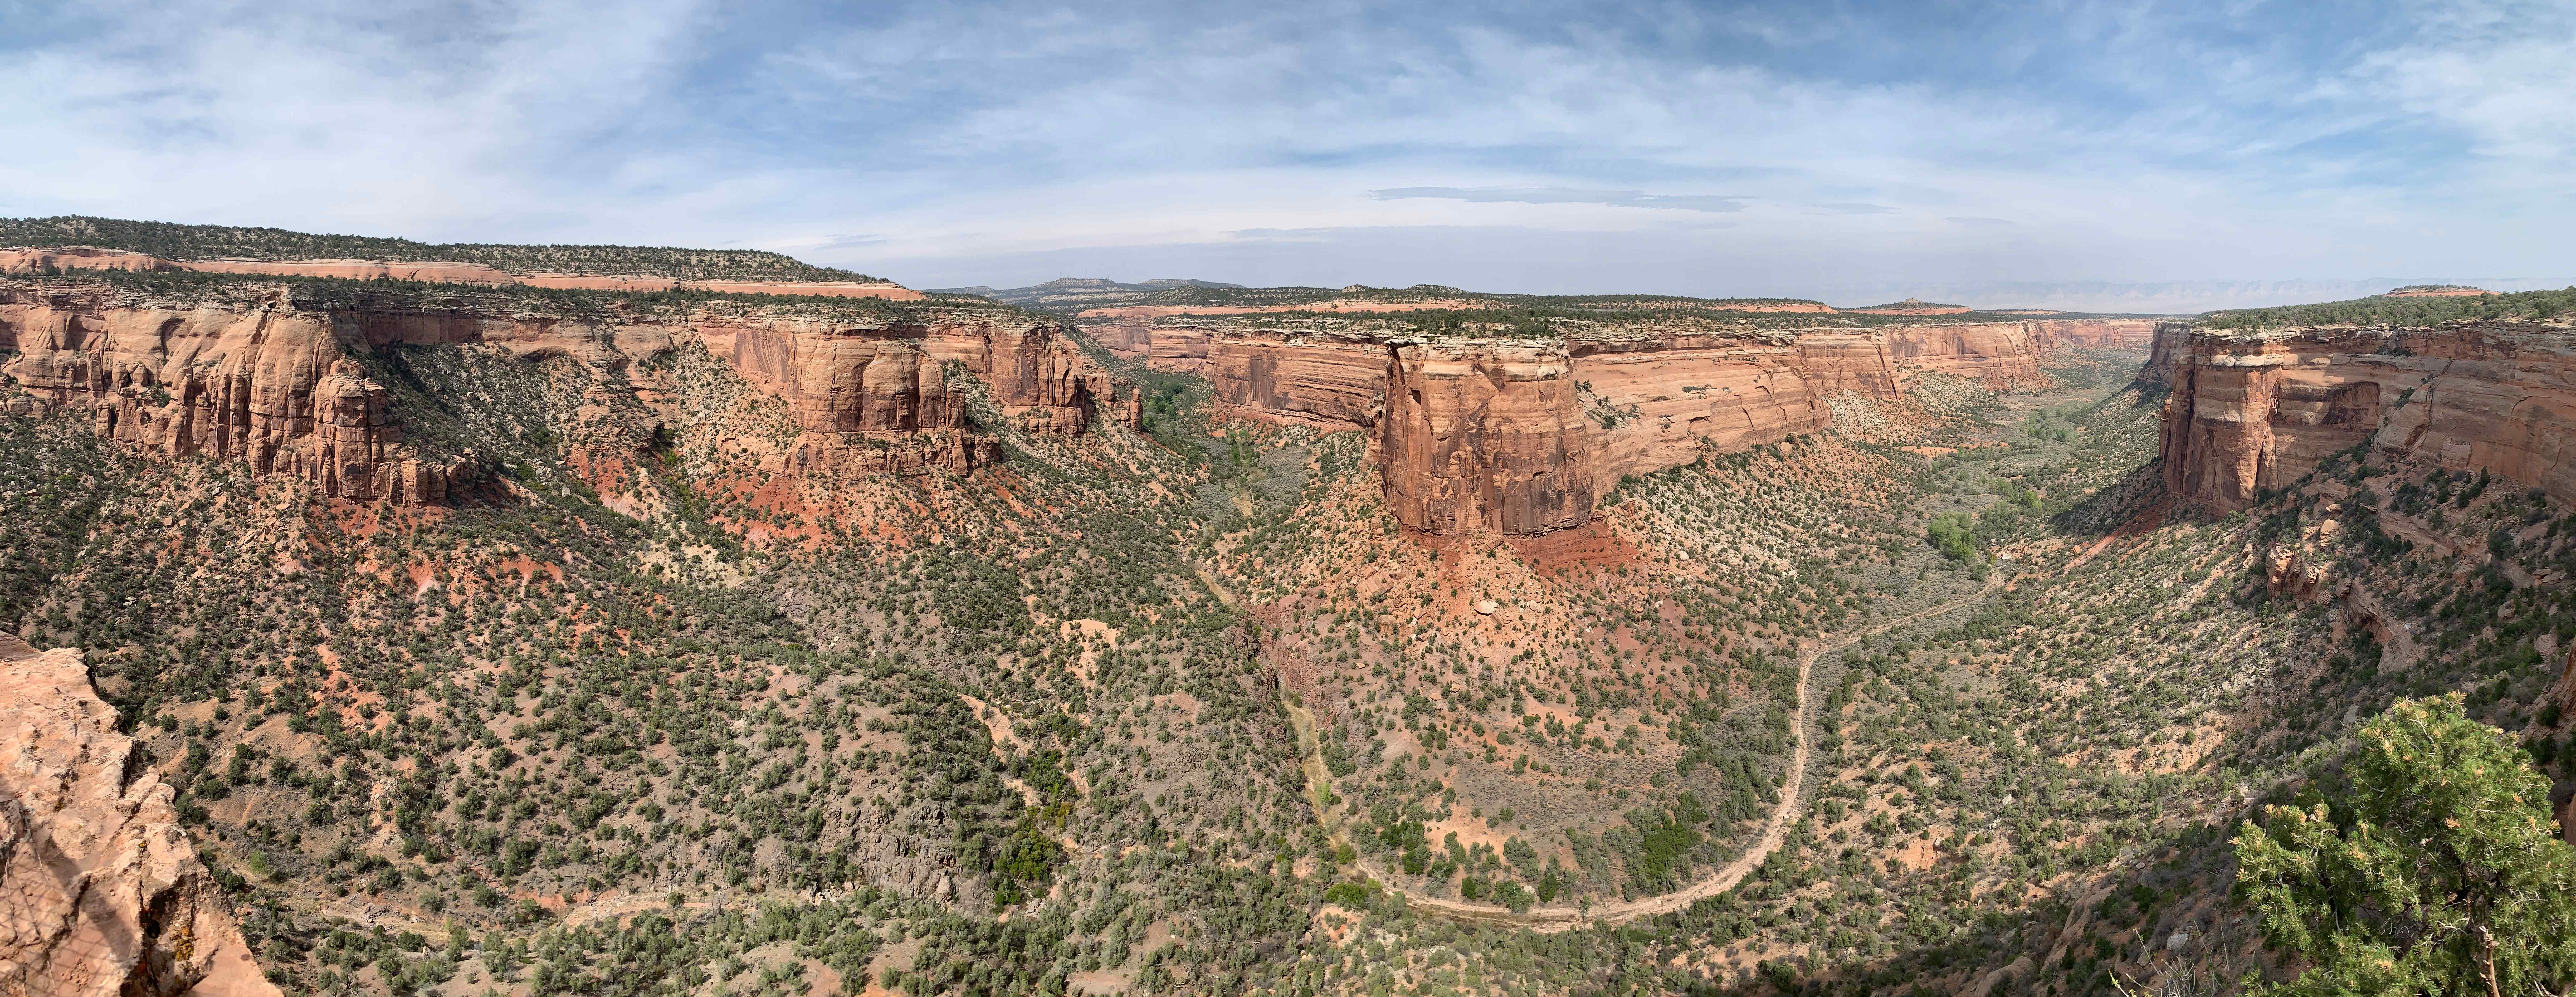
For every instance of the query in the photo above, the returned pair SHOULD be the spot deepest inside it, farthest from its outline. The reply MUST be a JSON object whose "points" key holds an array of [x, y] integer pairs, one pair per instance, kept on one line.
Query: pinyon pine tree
{"points": [[2439, 872]]}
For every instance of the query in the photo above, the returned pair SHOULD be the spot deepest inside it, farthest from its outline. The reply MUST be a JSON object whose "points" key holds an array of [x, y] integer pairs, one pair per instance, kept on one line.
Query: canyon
{"points": [[2255, 410], [611, 640], [1519, 435], [285, 384]]}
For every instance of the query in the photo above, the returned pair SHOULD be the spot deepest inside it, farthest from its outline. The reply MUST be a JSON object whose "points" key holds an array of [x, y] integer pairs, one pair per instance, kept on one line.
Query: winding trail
{"points": [[1553, 919]]}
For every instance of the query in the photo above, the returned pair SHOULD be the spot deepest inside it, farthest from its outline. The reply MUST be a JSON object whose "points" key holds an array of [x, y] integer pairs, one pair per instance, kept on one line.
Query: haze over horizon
{"points": [[2133, 156]]}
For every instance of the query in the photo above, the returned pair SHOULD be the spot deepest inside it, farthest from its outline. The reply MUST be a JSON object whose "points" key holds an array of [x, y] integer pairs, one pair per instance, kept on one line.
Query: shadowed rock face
{"points": [[100, 892], [281, 388], [2255, 411], [2165, 347]]}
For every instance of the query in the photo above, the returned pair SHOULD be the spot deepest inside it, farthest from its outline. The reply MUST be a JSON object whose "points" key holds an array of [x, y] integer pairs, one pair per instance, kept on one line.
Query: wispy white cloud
{"points": [[1568, 195], [2109, 139]]}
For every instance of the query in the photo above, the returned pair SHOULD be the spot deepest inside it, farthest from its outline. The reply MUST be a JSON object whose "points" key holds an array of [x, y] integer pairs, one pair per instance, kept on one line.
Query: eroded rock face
{"points": [[2255, 411], [1184, 350], [2165, 348], [1663, 403], [1849, 362], [2000, 354], [1319, 380], [100, 893], [1486, 435], [1518, 436], [2102, 333], [265, 384], [282, 389]]}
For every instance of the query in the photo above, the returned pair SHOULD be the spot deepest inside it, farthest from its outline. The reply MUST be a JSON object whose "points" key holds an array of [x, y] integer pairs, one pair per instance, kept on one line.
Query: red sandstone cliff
{"points": [[2001, 354], [1485, 435], [264, 383], [2254, 411], [1319, 380], [281, 386], [1517, 436], [100, 893], [1655, 404]]}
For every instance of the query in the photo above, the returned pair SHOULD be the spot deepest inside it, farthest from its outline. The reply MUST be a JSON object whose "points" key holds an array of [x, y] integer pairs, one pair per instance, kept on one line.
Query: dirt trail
{"points": [[1553, 919]]}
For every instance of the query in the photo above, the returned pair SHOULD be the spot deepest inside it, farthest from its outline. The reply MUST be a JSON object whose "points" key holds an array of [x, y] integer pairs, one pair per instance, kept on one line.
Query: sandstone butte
{"points": [[2257, 410], [282, 385], [100, 893], [1521, 436], [24, 261]]}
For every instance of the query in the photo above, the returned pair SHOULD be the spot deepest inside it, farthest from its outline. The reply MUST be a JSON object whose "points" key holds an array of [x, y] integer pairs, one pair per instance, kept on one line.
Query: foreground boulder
{"points": [[100, 892]]}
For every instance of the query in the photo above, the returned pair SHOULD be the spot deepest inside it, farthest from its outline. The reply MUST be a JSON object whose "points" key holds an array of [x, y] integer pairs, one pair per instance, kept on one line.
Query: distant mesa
{"points": [[2026, 311], [77, 242], [1064, 291], [2436, 291], [1912, 306]]}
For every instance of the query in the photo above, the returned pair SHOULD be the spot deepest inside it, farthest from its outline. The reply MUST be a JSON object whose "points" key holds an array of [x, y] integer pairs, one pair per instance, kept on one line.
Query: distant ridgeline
{"points": [[2400, 309], [173, 241], [2436, 291]]}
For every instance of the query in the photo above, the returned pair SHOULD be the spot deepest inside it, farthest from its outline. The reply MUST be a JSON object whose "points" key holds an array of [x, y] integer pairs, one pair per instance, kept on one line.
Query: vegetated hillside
{"points": [[174, 241], [1183, 711], [2394, 310], [1078, 292]]}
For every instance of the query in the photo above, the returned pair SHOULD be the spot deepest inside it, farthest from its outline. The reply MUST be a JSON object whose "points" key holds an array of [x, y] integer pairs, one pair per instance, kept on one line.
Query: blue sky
{"points": [[1833, 149]]}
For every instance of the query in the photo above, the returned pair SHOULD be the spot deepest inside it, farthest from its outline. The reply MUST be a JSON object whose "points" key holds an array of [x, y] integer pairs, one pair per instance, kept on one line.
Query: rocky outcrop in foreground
{"points": [[2252, 411], [100, 893]]}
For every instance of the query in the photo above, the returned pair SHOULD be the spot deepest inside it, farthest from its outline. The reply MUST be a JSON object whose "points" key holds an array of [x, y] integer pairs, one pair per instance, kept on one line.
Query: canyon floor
{"points": [[676, 693]]}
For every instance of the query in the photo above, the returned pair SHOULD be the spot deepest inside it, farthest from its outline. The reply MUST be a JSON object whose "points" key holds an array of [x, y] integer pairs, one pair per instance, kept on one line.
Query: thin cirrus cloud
{"points": [[1568, 195]]}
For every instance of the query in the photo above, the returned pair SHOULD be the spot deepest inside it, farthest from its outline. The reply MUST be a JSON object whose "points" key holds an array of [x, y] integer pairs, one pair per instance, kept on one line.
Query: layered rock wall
{"points": [[1319, 380], [1485, 435], [281, 388], [265, 384], [2165, 348], [2002, 355], [1663, 403], [1849, 362], [1179, 349], [2257, 411], [100, 893], [2100, 333], [1564, 421]]}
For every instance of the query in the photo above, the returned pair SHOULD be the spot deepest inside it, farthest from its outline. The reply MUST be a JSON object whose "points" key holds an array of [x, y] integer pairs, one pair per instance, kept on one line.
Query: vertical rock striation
{"points": [[280, 386], [265, 383], [1484, 435], [1518, 436], [2252, 411]]}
